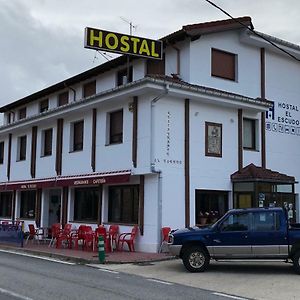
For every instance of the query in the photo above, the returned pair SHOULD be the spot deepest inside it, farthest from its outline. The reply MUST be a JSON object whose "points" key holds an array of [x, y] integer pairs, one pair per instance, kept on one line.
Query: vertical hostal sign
{"points": [[99, 39]]}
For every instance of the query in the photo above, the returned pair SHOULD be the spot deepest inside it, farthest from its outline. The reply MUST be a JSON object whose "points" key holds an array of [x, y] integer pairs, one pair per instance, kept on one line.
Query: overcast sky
{"points": [[42, 40]]}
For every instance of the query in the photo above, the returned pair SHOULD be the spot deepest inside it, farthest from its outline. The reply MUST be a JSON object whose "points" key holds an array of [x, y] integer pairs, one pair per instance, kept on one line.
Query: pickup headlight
{"points": [[170, 239]]}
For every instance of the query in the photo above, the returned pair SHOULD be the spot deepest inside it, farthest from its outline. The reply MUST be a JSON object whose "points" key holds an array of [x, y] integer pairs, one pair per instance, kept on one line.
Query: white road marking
{"points": [[39, 257], [159, 281], [108, 271], [13, 294], [229, 296]]}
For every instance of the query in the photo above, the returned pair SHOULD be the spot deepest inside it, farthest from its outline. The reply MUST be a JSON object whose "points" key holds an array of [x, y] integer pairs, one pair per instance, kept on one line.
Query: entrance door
{"points": [[54, 207]]}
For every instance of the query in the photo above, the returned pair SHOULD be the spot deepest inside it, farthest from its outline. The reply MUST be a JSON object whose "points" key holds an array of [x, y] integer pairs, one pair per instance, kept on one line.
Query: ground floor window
{"points": [[210, 205], [123, 204], [5, 205], [86, 201], [27, 207]]}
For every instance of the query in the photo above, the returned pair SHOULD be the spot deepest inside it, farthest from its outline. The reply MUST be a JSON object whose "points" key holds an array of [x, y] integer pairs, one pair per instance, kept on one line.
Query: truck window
{"points": [[236, 222], [266, 221]]}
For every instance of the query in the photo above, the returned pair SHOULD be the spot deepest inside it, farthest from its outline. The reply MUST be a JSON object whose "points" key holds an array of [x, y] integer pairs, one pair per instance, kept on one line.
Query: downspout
{"points": [[153, 170]]}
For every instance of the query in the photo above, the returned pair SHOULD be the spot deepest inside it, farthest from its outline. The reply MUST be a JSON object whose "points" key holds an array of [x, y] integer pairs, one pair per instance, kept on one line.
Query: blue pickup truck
{"points": [[255, 233]]}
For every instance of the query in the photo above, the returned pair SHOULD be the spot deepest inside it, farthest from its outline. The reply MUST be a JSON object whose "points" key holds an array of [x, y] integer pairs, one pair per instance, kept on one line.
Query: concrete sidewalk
{"points": [[79, 256]]}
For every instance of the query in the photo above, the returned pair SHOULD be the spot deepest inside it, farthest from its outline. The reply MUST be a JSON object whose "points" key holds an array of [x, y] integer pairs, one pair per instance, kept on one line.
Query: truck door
{"points": [[231, 238], [269, 236]]}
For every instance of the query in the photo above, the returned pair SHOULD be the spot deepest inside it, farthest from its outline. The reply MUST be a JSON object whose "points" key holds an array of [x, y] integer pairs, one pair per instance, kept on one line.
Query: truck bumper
{"points": [[175, 249]]}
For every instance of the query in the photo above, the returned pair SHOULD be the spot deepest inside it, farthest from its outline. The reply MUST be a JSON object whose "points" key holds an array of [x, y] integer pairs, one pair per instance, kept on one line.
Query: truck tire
{"points": [[195, 259], [296, 262]]}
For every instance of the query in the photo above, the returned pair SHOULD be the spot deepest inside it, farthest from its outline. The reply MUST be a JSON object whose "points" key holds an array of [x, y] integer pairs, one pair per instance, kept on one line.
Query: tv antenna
{"points": [[131, 26]]}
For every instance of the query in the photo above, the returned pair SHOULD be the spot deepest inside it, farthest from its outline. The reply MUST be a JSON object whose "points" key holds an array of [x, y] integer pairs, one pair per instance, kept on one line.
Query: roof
{"points": [[254, 173]]}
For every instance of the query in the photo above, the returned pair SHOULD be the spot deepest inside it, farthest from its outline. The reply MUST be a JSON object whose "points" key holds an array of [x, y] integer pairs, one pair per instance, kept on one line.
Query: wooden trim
{"points": [[187, 160], [64, 211], [240, 139], [13, 205], [99, 221], [134, 131], [94, 137], [9, 156], [59, 141], [38, 202], [33, 151], [263, 96], [141, 203]]}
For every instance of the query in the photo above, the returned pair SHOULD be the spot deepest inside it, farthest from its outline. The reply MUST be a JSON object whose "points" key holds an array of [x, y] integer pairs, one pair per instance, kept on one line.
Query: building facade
{"points": [[212, 126]]}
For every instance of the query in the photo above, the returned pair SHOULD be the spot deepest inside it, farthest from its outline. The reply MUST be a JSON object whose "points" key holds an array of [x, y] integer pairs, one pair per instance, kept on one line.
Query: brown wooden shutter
{"points": [[223, 64], [78, 136], [89, 89], [116, 127], [22, 113], [63, 98]]}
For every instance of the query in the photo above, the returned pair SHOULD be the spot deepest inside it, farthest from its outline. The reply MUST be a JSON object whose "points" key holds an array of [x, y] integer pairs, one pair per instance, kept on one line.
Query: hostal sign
{"points": [[121, 43]]}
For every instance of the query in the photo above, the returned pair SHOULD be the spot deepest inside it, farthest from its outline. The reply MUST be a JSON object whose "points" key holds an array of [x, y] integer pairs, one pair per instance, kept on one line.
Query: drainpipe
{"points": [[153, 170]]}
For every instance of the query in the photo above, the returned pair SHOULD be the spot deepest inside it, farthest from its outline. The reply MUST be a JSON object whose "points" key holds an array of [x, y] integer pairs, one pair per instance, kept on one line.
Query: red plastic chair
{"points": [[64, 235], [128, 238], [88, 238], [55, 231], [77, 236], [34, 233], [165, 234], [113, 233]]}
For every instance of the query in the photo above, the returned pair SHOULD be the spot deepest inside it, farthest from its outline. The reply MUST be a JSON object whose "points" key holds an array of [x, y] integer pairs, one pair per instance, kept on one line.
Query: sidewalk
{"points": [[79, 256]]}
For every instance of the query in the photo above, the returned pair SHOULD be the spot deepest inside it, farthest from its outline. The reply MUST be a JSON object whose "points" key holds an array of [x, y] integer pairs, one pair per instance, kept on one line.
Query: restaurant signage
{"points": [[99, 39]]}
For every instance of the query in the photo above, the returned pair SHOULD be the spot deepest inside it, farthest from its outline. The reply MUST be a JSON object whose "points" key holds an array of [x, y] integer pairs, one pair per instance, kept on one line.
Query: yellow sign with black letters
{"points": [[122, 43]]}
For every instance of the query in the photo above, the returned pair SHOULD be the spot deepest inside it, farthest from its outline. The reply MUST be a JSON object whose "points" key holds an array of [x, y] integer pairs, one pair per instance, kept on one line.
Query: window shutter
{"points": [[223, 64], [22, 113], [63, 98], [44, 105], [89, 89]]}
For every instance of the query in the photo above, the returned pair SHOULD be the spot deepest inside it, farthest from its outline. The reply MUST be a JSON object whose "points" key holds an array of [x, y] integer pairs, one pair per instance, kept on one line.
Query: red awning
{"points": [[93, 179]]}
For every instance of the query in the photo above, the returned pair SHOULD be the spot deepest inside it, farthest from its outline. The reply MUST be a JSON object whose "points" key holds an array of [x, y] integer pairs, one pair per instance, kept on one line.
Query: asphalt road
{"points": [[27, 278]]}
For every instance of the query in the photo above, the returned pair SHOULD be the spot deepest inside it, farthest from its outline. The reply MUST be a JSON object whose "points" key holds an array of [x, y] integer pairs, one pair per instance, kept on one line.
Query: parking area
{"points": [[255, 280]]}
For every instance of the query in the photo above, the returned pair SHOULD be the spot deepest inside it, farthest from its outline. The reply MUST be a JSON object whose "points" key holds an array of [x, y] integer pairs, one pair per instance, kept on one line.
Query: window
{"points": [[27, 208], [123, 204], [22, 113], [44, 105], [223, 64], [1, 152], [5, 205], [249, 134], [266, 221], [237, 222], [86, 204], [89, 89], [47, 142], [122, 76], [63, 98], [116, 127], [78, 136], [22, 147], [213, 139]]}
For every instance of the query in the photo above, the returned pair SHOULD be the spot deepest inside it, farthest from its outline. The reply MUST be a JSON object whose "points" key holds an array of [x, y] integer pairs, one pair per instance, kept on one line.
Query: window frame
{"points": [[89, 89], [2, 145], [44, 105], [22, 148], [32, 204], [229, 61], [22, 113], [63, 98], [117, 136], [77, 145], [134, 203], [47, 149], [253, 123]]}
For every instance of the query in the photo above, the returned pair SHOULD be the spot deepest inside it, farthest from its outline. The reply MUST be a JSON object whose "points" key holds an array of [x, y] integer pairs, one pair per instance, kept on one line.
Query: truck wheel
{"points": [[195, 259], [296, 262]]}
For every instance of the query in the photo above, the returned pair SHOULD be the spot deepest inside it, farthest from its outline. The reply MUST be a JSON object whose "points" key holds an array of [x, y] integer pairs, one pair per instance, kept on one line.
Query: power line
{"points": [[252, 30]]}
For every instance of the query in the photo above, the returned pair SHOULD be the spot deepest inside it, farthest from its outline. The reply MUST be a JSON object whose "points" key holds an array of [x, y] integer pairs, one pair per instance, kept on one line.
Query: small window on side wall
{"points": [[249, 134], [223, 64], [63, 98], [213, 139], [89, 89], [47, 142], [78, 136], [116, 127], [22, 113], [44, 105], [22, 141], [1, 152]]}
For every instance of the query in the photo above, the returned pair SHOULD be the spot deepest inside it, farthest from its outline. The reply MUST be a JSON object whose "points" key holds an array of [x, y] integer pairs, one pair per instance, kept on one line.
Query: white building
{"points": [[182, 141]]}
